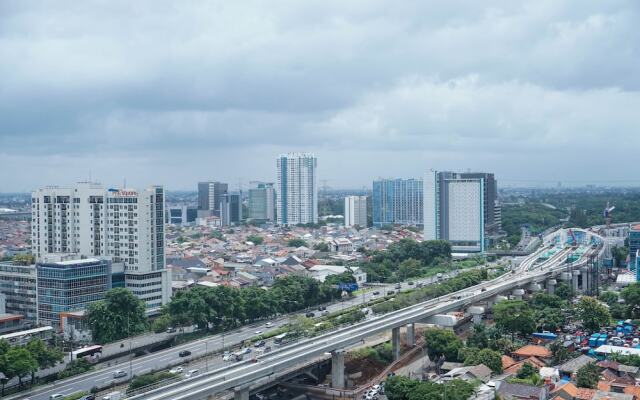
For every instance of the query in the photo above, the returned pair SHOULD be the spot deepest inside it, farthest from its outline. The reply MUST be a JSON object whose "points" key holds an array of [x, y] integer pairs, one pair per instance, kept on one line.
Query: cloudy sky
{"points": [[172, 92]]}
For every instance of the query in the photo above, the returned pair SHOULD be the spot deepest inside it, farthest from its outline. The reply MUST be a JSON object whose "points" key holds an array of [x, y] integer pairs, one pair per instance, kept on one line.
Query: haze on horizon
{"points": [[176, 92]]}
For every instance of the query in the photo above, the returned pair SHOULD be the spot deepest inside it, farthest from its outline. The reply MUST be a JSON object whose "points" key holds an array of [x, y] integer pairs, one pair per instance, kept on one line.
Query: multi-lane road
{"points": [[164, 359]]}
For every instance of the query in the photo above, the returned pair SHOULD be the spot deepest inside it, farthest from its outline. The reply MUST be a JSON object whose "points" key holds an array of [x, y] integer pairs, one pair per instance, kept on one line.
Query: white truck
{"points": [[113, 396]]}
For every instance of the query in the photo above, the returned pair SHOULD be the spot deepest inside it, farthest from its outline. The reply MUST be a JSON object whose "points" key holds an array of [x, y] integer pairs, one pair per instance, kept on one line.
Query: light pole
{"points": [[130, 344]]}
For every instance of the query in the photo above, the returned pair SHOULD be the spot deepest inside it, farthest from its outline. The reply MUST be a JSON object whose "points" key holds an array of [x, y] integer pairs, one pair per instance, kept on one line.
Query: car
{"points": [[176, 370], [310, 314], [420, 284], [56, 396], [390, 292], [228, 357], [376, 388], [260, 343], [268, 348], [184, 353], [119, 373], [171, 330], [398, 286], [411, 283], [376, 293], [191, 373], [88, 397], [268, 324], [258, 332]]}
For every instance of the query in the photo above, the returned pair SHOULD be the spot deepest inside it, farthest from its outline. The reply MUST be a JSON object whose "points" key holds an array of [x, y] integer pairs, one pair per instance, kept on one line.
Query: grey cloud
{"points": [[225, 86]]}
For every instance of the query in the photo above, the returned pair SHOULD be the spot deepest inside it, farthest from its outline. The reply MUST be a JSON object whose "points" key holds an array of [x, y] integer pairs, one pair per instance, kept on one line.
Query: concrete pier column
{"points": [[411, 335], [499, 298], [395, 343], [241, 393], [575, 280], [518, 293], [476, 313], [584, 273], [535, 287], [565, 276], [551, 286], [337, 369]]}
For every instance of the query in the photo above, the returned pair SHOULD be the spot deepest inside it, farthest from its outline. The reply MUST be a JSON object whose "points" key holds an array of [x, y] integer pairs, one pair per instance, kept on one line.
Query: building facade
{"points": [[125, 225], [355, 211], [262, 202], [492, 209], [210, 195], [19, 286], [231, 209], [296, 189], [181, 215], [397, 201], [634, 246], [454, 210], [66, 284]]}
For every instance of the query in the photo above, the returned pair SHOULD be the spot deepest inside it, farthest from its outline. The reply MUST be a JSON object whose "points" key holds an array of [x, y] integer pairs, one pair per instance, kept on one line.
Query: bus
{"points": [[278, 339], [91, 353]]}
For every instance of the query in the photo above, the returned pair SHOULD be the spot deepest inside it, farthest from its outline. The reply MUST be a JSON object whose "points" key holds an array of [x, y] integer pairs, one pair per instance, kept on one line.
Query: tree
{"points": [[255, 239], [592, 313], [588, 376], [549, 319], [543, 300], [20, 363], [121, 314], [442, 342], [488, 357], [322, 246], [46, 357], [560, 353], [527, 371], [514, 316], [631, 296], [609, 298], [161, 324], [399, 387], [297, 243], [564, 291]]}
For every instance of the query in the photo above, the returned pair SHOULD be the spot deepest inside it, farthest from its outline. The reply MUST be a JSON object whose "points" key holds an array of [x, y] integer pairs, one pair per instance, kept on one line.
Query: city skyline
{"points": [[519, 89]]}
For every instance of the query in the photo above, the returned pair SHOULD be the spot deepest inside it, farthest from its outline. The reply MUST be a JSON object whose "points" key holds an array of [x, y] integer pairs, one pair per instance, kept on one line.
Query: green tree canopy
{"points": [[488, 357], [514, 316], [592, 313], [631, 296], [588, 376], [20, 363], [297, 243], [255, 239], [442, 342], [119, 315]]}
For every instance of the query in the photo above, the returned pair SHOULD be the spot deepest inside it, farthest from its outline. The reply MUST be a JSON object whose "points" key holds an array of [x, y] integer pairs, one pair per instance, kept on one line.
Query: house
{"points": [[600, 395], [569, 391], [534, 361], [341, 245], [572, 366], [530, 350], [518, 391], [320, 272]]}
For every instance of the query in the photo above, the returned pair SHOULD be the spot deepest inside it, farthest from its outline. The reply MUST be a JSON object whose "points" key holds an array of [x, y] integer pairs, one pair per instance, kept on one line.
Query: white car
{"points": [[176, 370], [228, 357], [258, 332], [119, 373], [268, 324], [56, 396], [191, 373]]}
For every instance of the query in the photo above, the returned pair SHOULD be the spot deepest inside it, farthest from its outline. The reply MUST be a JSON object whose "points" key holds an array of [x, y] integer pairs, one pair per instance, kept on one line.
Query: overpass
{"points": [[241, 376]]}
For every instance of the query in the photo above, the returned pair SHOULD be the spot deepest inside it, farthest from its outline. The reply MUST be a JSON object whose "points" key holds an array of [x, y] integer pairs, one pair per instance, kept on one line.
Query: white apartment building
{"points": [[297, 189], [454, 210], [355, 211], [125, 225]]}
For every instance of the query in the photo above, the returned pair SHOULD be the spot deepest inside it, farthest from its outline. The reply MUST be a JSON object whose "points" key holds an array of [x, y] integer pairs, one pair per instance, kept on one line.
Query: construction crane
{"points": [[607, 214], [574, 242]]}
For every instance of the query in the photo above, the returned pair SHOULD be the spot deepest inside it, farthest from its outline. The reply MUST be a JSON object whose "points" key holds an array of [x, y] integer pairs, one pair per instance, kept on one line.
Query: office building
{"points": [[125, 225], [262, 202], [66, 284], [634, 246], [230, 209], [181, 215], [18, 286], [296, 189], [454, 210], [397, 201], [209, 197], [355, 211]]}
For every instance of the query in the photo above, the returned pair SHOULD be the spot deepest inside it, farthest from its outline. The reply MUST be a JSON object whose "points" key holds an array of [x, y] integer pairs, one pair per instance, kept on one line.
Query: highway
{"points": [[164, 359], [270, 364]]}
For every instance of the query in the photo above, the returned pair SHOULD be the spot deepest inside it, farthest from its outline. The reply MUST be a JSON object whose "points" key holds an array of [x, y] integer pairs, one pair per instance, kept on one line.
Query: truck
{"points": [[113, 396]]}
